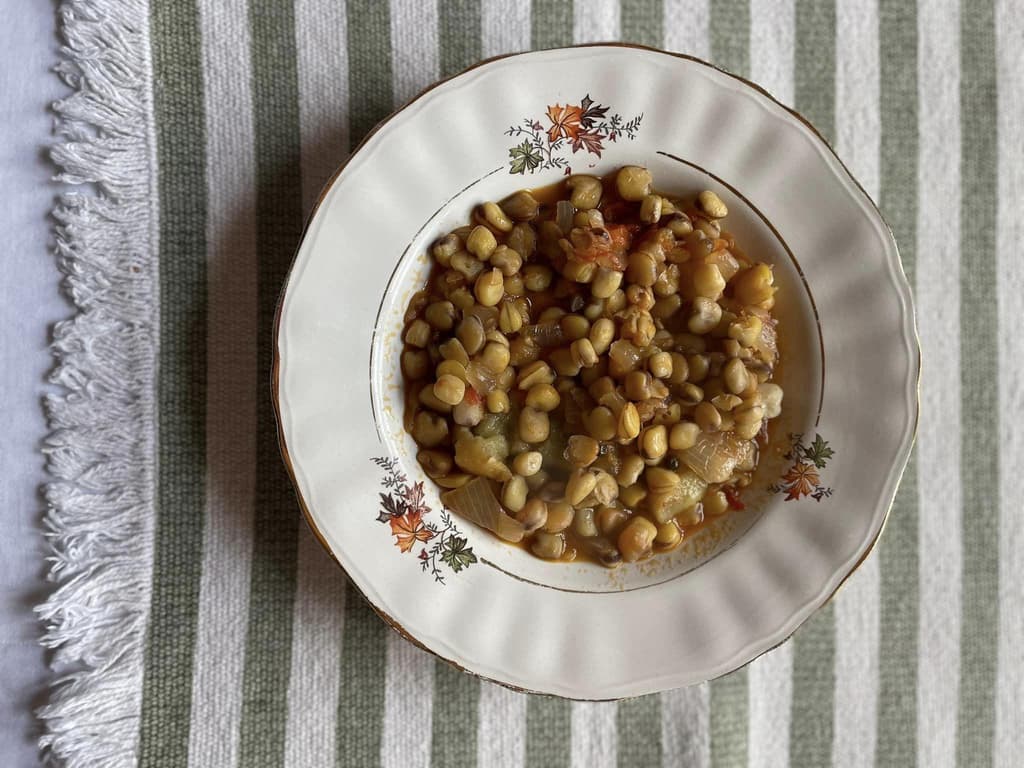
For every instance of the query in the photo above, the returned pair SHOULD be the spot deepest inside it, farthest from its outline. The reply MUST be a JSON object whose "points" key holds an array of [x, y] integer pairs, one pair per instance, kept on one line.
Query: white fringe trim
{"points": [[100, 506]]}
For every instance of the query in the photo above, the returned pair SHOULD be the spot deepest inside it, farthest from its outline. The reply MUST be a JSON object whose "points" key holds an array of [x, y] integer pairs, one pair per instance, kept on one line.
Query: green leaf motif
{"points": [[456, 554], [525, 157], [819, 452]]}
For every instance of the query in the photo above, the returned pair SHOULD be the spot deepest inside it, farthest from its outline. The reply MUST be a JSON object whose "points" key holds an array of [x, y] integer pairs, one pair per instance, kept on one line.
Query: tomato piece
{"points": [[733, 498]]}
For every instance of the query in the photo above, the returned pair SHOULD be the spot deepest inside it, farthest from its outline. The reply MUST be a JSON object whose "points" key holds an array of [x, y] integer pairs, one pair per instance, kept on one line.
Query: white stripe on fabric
{"points": [[313, 685], [686, 25], [315, 679], [938, 301], [501, 727], [1009, 733], [408, 706], [414, 57], [505, 26], [595, 21], [772, 46], [770, 678], [859, 136], [686, 727], [595, 734], [223, 617], [323, 91]]}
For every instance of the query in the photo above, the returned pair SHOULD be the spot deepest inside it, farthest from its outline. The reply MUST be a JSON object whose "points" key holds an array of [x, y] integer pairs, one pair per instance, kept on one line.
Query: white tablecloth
{"points": [[30, 303]]}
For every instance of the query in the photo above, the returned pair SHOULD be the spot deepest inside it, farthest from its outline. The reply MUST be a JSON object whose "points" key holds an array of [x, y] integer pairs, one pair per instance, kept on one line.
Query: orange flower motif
{"points": [[565, 121], [408, 529], [801, 479]]}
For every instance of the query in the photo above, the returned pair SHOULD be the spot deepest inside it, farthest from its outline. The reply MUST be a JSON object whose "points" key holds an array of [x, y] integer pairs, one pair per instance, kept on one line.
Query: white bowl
{"points": [[850, 367]]}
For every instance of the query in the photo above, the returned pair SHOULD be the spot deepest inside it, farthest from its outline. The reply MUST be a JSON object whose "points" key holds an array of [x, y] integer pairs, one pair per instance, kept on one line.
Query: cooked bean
{"points": [[642, 268], [535, 373], [581, 450], [509, 318], [679, 224], [415, 363], [471, 333], [495, 217], [564, 362], [449, 389], [709, 227], [754, 285], [636, 539], [429, 429], [574, 326], [534, 425], [637, 385], [602, 333], [481, 242], [435, 463], [668, 535], [579, 485], [441, 315], [654, 442], [507, 260], [715, 503], [629, 473], [725, 403], [467, 265], [735, 375], [606, 490], [536, 277], [609, 519], [628, 426], [418, 333], [708, 281], [584, 353], [521, 206], [489, 288], [606, 282], [445, 247], [698, 367], [583, 522], [579, 271], [560, 516], [690, 394], [550, 546], [633, 182], [543, 397], [708, 418], [712, 204], [585, 191], [746, 330], [527, 463], [497, 401], [631, 495], [533, 515], [660, 365], [650, 209], [660, 479]]}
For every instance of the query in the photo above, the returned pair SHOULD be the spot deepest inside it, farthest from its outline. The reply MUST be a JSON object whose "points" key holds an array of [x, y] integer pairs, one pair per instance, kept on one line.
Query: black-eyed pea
{"points": [[660, 365], [606, 490], [537, 277], [668, 536], [543, 397], [489, 287], [583, 522], [585, 191], [606, 282], [666, 307], [521, 206], [610, 519], [564, 362], [726, 403], [633, 183], [680, 368], [415, 363], [579, 271], [537, 372], [418, 333], [495, 217], [601, 423], [581, 450], [507, 260], [449, 389], [642, 268], [637, 385], [636, 539], [441, 315], [429, 429], [698, 367], [708, 418], [574, 326], [660, 480], [711, 204], [705, 315], [690, 394], [654, 442], [534, 425], [683, 435], [443, 249], [509, 318], [467, 265], [513, 493], [650, 209], [708, 281], [628, 424], [481, 242], [498, 402], [735, 376], [549, 546], [630, 469], [771, 397], [527, 463], [435, 463], [533, 515], [584, 353], [580, 484], [602, 333], [470, 333], [560, 516]]}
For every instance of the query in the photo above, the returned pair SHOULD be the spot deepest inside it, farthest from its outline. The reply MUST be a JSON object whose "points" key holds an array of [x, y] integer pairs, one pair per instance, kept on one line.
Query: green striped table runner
{"points": [[215, 633]]}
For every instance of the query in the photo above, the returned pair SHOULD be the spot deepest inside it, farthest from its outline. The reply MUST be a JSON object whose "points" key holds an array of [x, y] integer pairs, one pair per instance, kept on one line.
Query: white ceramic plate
{"points": [[850, 373]]}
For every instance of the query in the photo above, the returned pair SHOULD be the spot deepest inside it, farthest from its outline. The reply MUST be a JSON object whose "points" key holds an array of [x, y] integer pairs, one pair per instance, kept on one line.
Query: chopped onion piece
{"points": [[476, 502], [714, 456]]}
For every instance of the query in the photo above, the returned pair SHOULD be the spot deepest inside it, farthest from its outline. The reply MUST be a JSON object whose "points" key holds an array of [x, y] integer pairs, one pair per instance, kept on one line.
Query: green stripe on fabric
{"points": [[729, 719], [642, 22], [458, 33], [638, 722], [548, 732], [897, 550], [181, 449], [275, 517], [979, 370], [371, 94], [730, 35], [550, 23], [361, 698], [456, 698], [814, 644]]}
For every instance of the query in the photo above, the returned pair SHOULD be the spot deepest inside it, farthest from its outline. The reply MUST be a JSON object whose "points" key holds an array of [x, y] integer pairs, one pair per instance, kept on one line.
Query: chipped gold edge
{"points": [[276, 369]]}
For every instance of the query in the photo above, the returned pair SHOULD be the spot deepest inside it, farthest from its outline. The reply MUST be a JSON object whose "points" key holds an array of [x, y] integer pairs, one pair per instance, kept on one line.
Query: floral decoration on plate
{"points": [[403, 508], [584, 126], [803, 478]]}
